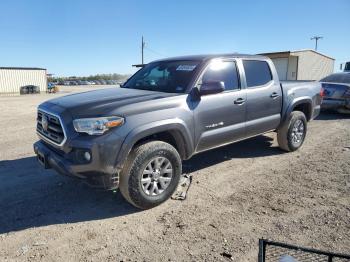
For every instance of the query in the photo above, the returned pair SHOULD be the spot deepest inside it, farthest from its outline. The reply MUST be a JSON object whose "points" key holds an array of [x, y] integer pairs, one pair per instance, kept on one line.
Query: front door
{"points": [[220, 118]]}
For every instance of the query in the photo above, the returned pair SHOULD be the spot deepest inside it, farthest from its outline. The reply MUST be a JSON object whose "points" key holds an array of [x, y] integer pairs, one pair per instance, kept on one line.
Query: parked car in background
{"points": [[336, 92], [29, 89], [103, 82]]}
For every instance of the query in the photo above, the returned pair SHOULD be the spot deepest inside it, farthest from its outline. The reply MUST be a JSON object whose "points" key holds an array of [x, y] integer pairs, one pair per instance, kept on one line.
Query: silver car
{"points": [[336, 92]]}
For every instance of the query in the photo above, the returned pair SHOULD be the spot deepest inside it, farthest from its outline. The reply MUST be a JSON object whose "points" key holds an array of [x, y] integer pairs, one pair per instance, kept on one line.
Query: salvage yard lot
{"points": [[240, 193]]}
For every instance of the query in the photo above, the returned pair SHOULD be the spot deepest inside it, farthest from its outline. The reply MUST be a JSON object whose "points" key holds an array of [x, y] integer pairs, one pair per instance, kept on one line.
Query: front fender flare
{"points": [[152, 128]]}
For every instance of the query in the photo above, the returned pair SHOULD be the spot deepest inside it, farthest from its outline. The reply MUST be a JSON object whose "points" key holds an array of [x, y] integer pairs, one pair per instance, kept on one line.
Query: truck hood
{"points": [[100, 102]]}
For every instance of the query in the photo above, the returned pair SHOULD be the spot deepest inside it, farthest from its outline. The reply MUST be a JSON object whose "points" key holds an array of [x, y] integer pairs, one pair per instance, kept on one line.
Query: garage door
{"points": [[281, 65]]}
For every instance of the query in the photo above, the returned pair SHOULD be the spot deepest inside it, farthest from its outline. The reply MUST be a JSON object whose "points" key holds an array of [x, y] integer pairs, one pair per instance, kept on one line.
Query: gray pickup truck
{"points": [[135, 137]]}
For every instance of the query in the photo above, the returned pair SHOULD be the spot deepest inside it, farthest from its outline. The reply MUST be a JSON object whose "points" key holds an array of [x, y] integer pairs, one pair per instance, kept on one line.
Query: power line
{"points": [[143, 47], [316, 38], [154, 52]]}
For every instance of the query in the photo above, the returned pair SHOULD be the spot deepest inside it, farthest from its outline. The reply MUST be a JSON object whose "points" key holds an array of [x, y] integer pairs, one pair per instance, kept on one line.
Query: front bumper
{"points": [[99, 172]]}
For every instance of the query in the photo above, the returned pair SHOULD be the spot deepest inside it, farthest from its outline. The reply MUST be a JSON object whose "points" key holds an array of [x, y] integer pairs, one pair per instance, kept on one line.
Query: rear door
{"points": [[264, 97], [220, 118]]}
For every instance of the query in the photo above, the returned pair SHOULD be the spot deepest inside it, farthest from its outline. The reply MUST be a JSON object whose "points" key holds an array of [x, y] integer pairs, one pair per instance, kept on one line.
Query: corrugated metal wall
{"points": [[292, 68], [313, 66], [11, 80]]}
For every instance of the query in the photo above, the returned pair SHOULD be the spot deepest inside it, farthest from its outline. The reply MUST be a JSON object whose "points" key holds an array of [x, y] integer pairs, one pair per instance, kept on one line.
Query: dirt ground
{"points": [[240, 193]]}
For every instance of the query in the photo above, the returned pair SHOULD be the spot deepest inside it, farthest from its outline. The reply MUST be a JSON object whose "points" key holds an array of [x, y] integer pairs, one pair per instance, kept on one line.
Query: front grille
{"points": [[50, 127]]}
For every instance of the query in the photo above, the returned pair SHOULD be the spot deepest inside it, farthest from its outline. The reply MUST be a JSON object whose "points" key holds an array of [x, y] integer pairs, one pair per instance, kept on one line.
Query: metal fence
{"points": [[271, 251]]}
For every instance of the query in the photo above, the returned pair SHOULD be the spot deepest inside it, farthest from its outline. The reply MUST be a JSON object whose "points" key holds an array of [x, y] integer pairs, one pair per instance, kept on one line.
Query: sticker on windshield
{"points": [[185, 67]]}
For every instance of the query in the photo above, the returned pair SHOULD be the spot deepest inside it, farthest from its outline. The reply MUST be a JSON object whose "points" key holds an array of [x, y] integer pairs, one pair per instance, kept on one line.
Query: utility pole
{"points": [[142, 47], [316, 38]]}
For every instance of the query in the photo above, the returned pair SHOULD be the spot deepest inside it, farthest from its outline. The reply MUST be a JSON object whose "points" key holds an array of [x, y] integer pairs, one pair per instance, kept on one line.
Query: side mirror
{"points": [[212, 87]]}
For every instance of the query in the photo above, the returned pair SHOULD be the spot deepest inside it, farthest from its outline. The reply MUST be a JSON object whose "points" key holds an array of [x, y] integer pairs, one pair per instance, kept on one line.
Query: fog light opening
{"points": [[87, 156]]}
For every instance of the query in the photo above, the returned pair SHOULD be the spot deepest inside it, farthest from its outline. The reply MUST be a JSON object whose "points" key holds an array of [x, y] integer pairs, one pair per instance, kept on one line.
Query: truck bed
{"points": [[293, 90]]}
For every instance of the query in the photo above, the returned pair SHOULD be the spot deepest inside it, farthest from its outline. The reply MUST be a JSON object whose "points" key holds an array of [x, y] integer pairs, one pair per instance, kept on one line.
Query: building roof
{"points": [[297, 51], [22, 68]]}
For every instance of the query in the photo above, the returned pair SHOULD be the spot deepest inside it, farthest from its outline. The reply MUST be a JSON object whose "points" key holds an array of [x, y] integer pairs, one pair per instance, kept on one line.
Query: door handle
{"points": [[239, 101], [274, 95]]}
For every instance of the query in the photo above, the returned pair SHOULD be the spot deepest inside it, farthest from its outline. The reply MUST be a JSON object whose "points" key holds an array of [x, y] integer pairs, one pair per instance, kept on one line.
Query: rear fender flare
{"points": [[293, 104]]}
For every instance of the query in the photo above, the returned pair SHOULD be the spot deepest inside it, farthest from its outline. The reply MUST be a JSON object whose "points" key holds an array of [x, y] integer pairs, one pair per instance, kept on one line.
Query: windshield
{"points": [[337, 78], [164, 76]]}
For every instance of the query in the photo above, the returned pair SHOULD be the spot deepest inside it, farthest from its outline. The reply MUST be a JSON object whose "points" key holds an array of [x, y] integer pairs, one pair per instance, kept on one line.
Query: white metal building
{"points": [[12, 79], [301, 65]]}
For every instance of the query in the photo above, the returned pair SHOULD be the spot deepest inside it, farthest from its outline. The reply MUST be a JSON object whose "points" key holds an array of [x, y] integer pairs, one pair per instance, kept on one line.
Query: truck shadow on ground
{"points": [[259, 146], [32, 197]]}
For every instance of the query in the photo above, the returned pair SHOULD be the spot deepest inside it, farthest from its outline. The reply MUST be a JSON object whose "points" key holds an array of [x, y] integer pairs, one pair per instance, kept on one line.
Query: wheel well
{"points": [[305, 108], [172, 137]]}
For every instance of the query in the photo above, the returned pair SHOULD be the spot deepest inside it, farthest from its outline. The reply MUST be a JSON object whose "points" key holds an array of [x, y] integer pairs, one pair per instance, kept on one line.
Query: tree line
{"points": [[114, 76]]}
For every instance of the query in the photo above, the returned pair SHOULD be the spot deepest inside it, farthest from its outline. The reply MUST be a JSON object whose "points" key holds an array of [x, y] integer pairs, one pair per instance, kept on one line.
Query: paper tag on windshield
{"points": [[185, 68]]}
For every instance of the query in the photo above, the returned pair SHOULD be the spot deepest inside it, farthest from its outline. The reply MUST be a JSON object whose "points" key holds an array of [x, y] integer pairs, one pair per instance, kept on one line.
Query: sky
{"points": [[81, 38]]}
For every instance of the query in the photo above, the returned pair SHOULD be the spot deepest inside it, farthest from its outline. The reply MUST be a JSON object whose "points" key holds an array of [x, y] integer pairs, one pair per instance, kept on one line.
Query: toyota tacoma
{"points": [[135, 137]]}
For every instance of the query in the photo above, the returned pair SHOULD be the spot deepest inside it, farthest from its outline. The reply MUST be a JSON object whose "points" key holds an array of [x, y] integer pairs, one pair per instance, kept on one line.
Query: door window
{"points": [[223, 71], [257, 73]]}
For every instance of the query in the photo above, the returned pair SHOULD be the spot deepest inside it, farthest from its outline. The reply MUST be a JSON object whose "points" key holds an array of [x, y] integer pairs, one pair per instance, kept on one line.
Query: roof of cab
{"points": [[211, 56]]}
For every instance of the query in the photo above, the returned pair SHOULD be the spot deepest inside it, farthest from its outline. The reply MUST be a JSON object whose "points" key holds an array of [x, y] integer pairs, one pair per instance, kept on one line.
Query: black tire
{"points": [[285, 132], [130, 177]]}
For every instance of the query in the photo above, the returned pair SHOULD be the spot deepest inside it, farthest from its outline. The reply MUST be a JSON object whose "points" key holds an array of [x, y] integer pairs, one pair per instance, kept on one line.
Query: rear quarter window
{"points": [[257, 72]]}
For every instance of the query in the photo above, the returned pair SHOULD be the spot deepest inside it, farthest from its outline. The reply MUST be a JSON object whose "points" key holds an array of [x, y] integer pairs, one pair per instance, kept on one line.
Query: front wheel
{"points": [[291, 134], [151, 174]]}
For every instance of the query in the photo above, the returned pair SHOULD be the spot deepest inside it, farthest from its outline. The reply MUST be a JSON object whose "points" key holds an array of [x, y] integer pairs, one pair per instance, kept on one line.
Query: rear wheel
{"points": [[151, 174], [291, 134]]}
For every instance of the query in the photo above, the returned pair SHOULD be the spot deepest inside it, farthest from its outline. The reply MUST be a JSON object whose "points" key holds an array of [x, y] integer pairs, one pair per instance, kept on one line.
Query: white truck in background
{"points": [[346, 66]]}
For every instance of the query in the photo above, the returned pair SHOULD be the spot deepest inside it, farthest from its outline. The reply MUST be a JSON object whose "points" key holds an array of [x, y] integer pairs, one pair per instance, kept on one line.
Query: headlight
{"points": [[97, 126]]}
